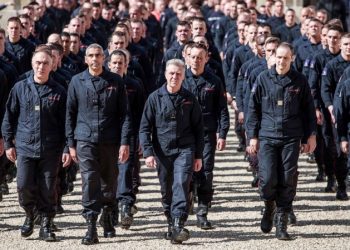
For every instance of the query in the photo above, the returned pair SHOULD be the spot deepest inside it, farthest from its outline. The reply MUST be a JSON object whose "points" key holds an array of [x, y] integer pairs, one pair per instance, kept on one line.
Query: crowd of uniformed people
{"points": [[92, 86]]}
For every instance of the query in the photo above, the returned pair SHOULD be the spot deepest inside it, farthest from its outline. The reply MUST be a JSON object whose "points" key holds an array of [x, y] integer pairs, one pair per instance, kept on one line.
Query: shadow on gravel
{"points": [[324, 222], [323, 235]]}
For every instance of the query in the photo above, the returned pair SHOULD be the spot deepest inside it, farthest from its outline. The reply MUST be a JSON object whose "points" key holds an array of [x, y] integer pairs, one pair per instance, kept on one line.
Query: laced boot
{"points": [[126, 216], [28, 225], [106, 223], [168, 234], [281, 226], [179, 232], [46, 232], [268, 216], [91, 234]]}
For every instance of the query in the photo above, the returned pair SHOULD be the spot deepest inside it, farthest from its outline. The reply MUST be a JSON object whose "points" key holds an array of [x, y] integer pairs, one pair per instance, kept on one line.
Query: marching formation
{"points": [[94, 86]]}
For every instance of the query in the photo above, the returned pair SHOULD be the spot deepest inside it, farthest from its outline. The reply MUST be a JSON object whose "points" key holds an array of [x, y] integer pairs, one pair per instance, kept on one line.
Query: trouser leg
{"points": [[125, 192], [48, 168], [91, 179], [204, 177], [27, 186], [287, 175], [183, 171], [269, 158]]}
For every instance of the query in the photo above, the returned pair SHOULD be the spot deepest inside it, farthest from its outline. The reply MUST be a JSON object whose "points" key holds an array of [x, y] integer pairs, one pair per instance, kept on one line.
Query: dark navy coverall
{"points": [[281, 115], [330, 77], [172, 130], [34, 117], [210, 94], [97, 123]]}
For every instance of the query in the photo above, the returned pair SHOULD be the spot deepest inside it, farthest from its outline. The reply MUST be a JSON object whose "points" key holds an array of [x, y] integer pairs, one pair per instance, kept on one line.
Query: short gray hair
{"points": [[176, 62], [93, 46]]}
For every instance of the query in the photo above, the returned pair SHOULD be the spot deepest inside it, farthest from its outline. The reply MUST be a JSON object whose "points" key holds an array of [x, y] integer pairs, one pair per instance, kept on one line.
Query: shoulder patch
{"points": [[306, 63], [254, 87], [312, 64], [324, 72]]}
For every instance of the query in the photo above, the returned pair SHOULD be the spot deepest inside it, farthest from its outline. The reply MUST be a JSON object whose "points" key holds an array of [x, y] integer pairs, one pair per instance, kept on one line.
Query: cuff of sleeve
{"points": [[125, 141], [222, 135], [8, 144], [148, 153], [66, 150], [198, 155], [327, 104], [71, 143], [344, 138]]}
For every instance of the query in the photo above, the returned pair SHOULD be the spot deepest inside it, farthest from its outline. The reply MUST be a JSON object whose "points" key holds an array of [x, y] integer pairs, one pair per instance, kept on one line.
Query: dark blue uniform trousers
{"points": [[278, 160], [36, 183], [204, 178], [175, 175], [97, 163], [125, 192]]}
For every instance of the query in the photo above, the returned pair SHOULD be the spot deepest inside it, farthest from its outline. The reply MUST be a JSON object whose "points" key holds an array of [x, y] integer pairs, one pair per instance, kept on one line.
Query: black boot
{"points": [[331, 188], [0, 196], [168, 234], [59, 208], [91, 234], [4, 188], [202, 212], [28, 226], [46, 232], [292, 219], [134, 209], [281, 226], [203, 223], [320, 175], [179, 233], [126, 217], [341, 193], [106, 222], [115, 215], [268, 216]]}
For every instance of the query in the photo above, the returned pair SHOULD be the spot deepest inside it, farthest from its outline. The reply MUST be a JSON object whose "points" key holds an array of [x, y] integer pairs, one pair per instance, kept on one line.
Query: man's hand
{"points": [[151, 162], [73, 154], [344, 146], [197, 165], [319, 117], [229, 98], [331, 112], [310, 146], [66, 159], [253, 146], [234, 105], [241, 117], [1, 146], [221, 144], [11, 154], [123, 153]]}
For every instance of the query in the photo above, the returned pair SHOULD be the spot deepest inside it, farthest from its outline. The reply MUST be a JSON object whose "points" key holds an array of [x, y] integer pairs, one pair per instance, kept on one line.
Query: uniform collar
{"points": [[104, 78], [164, 92], [284, 80]]}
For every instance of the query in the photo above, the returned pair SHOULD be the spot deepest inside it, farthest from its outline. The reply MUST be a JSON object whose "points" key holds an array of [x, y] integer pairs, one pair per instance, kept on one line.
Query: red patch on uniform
{"points": [[187, 102], [111, 88], [131, 90], [295, 91], [54, 98], [209, 89]]}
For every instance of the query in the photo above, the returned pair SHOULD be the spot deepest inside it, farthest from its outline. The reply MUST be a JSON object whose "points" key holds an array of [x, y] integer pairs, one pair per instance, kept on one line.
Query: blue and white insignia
{"points": [[324, 72], [254, 87], [217, 26], [306, 63]]}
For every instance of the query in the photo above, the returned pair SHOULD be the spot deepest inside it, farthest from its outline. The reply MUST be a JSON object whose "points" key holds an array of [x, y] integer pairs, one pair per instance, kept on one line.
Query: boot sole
{"points": [[126, 222], [96, 241], [49, 239], [181, 237], [109, 235], [25, 235]]}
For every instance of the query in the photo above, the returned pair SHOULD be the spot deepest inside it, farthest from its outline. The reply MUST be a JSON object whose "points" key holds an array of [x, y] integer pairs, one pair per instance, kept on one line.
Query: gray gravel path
{"points": [[323, 222]]}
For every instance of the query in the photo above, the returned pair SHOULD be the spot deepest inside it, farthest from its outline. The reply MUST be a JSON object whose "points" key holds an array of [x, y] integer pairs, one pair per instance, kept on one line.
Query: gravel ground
{"points": [[323, 222]]}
